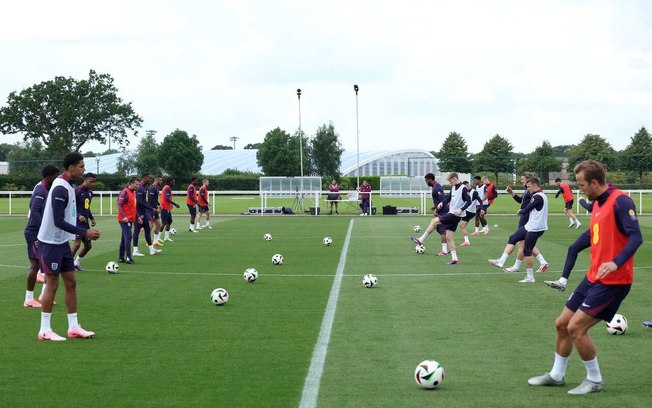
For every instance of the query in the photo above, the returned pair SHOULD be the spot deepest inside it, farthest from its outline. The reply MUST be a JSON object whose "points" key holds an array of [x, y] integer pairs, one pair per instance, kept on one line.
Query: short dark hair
{"points": [[466, 183], [557, 179], [169, 180], [429, 176], [49, 170], [534, 180], [145, 175], [89, 175], [132, 179], [477, 178], [192, 180], [72, 159]]}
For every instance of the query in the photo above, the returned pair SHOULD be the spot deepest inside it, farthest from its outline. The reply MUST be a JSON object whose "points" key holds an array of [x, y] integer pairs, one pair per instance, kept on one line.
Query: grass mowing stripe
{"points": [[311, 385]]}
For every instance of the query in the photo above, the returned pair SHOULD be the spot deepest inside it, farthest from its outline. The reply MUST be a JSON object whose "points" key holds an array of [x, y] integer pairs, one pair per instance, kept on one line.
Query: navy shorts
{"points": [[192, 210], [569, 204], [484, 208], [529, 237], [523, 220], [55, 259], [84, 225], [154, 216], [166, 217], [203, 209], [468, 217], [598, 300], [449, 221], [32, 245]]}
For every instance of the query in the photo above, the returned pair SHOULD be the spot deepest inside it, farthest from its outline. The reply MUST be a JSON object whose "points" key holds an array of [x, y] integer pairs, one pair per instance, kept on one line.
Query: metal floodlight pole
{"points": [[300, 147], [357, 130], [233, 139], [97, 162]]}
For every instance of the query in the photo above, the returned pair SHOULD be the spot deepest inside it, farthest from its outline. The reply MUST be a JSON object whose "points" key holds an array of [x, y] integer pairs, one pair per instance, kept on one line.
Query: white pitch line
{"points": [[311, 384]]}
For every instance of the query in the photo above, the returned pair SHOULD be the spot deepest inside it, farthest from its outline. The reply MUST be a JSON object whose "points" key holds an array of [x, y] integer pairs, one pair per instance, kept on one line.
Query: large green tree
{"points": [[327, 152], [454, 155], [542, 161], [28, 158], [180, 155], [65, 114], [637, 157], [279, 154], [593, 147], [496, 157], [147, 157], [222, 147], [5, 148]]}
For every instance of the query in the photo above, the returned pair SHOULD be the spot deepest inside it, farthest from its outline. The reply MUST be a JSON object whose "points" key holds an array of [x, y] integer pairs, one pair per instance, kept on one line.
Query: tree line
{"points": [[64, 114]]}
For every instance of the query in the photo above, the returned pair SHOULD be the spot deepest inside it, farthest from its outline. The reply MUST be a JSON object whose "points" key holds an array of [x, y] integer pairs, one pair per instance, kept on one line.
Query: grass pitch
{"points": [[160, 341]]}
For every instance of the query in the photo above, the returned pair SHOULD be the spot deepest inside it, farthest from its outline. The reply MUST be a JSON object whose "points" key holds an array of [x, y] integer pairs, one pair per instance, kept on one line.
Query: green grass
{"points": [[160, 342]]}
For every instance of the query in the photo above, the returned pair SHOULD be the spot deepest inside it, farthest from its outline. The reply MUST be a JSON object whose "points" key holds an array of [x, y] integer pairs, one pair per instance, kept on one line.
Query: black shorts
{"points": [[84, 225], [203, 209], [598, 300], [449, 221], [469, 216], [569, 204], [333, 197]]}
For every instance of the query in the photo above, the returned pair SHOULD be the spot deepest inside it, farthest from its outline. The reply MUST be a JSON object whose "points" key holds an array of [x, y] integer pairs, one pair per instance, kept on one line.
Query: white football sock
{"points": [[45, 322], [558, 371], [29, 295], [593, 370], [72, 321], [541, 259]]}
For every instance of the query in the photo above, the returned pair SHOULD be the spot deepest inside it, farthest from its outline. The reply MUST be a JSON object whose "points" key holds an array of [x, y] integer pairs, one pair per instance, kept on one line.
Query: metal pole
{"points": [[357, 129], [300, 150]]}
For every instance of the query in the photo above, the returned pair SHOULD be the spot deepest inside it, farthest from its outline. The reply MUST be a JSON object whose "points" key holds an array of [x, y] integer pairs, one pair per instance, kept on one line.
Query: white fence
{"points": [[17, 202]]}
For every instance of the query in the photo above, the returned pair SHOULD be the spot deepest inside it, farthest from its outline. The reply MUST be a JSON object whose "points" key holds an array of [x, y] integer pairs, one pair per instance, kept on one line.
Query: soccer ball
{"points": [[277, 259], [417, 228], [250, 275], [267, 237], [617, 325], [219, 296], [370, 280], [112, 267], [173, 231], [328, 241], [420, 249], [429, 374]]}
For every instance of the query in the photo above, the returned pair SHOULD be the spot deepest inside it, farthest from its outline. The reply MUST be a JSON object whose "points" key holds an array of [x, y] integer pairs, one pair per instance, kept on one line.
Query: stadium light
{"points": [[233, 139], [357, 130], [300, 148]]}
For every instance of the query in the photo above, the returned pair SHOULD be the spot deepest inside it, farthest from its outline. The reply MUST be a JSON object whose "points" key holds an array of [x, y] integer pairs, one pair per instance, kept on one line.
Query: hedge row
{"points": [[225, 183]]}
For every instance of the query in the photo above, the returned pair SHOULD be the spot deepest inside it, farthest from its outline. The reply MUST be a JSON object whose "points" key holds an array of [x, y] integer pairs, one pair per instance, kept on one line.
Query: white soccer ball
{"points": [[250, 275], [173, 231], [328, 241], [112, 267], [219, 296], [267, 237], [420, 249], [618, 325], [417, 228], [370, 280], [277, 259], [429, 374]]}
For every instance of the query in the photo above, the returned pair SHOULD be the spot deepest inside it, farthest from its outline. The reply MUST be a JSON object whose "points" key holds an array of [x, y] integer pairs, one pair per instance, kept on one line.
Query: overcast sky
{"points": [[527, 70]]}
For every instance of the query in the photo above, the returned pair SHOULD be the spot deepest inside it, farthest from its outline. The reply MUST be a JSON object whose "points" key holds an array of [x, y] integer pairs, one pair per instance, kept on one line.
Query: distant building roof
{"points": [[404, 161]]}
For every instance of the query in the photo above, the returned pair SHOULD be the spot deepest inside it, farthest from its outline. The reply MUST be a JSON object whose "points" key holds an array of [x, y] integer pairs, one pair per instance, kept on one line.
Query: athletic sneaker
{"points": [[486, 232], [545, 379], [587, 387], [168, 239], [442, 253], [571, 225], [416, 240], [556, 285], [40, 276], [40, 299], [465, 243], [647, 324], [199, 227], [80, 333], [51, 336], [544, 267], [192, 230], [79, 268], [454, 262], [511, 269], [207, 226], [32, 303], [156, 251], [578, 224], [130, 261], [158, 244], [137, 253], [526, 280], [495, 262], [475, 234]]}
